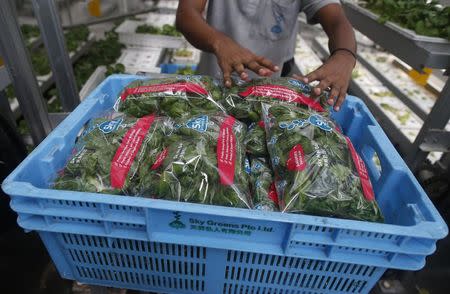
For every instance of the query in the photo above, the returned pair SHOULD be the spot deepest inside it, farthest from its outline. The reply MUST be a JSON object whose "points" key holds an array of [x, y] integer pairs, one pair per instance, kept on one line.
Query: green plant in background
{"points": [[170, 30], [186, 70], [102, 52], [148, 29], [29, 32], [117, 68], [184, 52], [314, 166], [41, 64], [75, 36], [427, 18]]}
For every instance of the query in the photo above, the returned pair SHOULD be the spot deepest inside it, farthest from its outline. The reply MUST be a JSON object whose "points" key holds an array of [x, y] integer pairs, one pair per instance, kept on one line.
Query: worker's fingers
{"points": [[239, 68], [313, 76], [267, 63], [258, 69], [226, 69], [340, 100], [325, 83], [333, 95]]}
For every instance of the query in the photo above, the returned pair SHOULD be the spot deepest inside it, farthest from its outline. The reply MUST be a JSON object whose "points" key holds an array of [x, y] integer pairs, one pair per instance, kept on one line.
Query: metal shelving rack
{"points": [[418, 52], [17, 60]]}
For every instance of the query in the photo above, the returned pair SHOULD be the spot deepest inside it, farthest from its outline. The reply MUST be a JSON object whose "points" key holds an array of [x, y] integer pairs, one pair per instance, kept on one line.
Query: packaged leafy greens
{"points": [[243, 101], [204, 163], [200, 159], [255, 140], [109, 154], [263, 186], [317, 169], [177, 97]]}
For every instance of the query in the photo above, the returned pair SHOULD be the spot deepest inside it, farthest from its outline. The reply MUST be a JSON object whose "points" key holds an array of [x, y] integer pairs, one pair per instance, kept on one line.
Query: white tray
{"points": [[127, 35], [136, 60], [160, 19]]}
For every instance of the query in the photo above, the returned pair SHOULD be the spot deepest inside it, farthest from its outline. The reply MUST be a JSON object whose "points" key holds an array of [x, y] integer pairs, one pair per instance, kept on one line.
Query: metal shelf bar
{"points": [[53, 37], [4, 78], [15, 54], [417, 51], [437, 119]]}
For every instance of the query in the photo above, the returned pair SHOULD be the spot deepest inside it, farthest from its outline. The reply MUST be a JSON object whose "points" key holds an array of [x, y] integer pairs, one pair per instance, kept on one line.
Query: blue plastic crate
{"points": [[124, 241]]}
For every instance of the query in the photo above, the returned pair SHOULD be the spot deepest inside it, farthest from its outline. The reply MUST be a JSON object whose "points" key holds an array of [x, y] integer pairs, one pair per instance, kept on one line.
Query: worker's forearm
{"points": [[193, 26], [341, 36], [337, 27]]}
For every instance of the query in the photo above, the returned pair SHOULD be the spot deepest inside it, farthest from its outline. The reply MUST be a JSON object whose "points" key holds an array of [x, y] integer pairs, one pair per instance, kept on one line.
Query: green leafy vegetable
{"points": [[40, 62], [243, 101], [178, 97], [313, 165], [90, 169], [187, 70], [167, 30], [255, 141], [184, 52], [175, 162], [263, 186], [29, 32], [75, 36], [117, 68], [102, 52], [427, 18]]}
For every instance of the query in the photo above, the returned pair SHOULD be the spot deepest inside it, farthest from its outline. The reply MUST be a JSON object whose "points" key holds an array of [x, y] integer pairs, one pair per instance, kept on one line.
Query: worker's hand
{"points": [[334, 74], [232, 57]]}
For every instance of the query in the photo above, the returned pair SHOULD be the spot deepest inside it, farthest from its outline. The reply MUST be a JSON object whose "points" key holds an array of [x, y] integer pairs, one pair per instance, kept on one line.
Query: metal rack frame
{"points": [[419, 52]]}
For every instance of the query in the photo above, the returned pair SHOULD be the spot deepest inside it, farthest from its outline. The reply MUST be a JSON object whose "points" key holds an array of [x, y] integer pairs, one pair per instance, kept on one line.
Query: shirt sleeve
{"points": [[310, 7]]}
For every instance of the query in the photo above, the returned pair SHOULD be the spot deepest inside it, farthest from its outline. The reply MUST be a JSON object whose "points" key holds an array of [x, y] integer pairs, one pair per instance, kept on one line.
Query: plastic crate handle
{"points": [[375, 142]]}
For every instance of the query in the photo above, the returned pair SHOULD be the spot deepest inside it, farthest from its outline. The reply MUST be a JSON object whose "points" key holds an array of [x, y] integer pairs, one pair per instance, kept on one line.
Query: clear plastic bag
{"points": [[108, 156], [200, 159], [177, 97], [316, 167], [263, 186], [204, 163], [243, 100], [255, 140]]}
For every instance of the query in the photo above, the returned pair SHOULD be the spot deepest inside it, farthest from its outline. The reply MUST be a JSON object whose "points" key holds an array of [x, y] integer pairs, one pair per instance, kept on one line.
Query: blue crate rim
{"points": [[9, 186]]}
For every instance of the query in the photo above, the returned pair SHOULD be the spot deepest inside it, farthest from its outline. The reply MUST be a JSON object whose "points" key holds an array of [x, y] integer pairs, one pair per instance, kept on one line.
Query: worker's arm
{"points": [[336, 72], [230, 55]]}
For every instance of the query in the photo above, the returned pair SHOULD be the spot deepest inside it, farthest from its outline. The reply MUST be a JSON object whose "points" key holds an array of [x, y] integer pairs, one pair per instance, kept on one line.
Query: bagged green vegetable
{"points": [[109, 154], [204, 163], [316, 167], [263, 186], [243, 101], [178, 97], [255, 140]]}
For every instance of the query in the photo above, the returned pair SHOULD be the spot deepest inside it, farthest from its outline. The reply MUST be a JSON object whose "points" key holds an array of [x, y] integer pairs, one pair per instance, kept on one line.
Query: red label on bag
{"points": [[296, 160], [127, 151], [226, 152], [160, 159], [176, 87], [362, 172], [273, 195], [282, 93]]}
